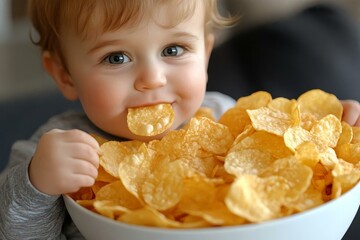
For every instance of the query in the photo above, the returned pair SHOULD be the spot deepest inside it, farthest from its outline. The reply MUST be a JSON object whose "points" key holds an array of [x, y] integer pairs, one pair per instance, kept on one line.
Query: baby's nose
{"points": [[150, 77]]}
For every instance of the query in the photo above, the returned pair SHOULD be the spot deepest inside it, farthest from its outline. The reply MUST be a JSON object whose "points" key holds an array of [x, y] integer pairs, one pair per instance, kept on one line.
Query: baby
{"points": [[111, 55]]}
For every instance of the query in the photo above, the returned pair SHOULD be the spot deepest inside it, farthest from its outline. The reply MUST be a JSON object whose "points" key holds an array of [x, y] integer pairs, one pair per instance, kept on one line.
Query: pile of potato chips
{"points": [[264, 159]]}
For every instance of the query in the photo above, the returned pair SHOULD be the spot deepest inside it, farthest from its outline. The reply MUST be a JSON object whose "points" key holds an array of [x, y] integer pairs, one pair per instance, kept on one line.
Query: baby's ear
{"points": [[55, 68]]}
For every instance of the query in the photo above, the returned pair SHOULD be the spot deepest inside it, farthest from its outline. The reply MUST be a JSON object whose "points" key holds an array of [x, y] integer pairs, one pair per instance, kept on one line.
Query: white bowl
{"points": [[328, 221]]}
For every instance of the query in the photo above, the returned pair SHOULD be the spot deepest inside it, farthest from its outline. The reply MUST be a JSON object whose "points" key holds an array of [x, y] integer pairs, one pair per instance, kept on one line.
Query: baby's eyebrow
{"points": [[185, 35], [102, 44]]}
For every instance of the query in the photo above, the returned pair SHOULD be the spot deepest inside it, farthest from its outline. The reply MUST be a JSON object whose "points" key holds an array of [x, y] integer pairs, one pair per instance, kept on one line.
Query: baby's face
{"points": [[139, 66]]}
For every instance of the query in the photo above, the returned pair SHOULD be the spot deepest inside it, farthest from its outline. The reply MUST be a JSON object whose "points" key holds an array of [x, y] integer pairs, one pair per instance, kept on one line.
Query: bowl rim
{"points": [[269, 223]]}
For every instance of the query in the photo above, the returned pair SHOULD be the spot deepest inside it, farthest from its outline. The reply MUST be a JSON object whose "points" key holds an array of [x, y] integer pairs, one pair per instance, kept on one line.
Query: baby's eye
{"points": [[172, 51], [117, 58]]}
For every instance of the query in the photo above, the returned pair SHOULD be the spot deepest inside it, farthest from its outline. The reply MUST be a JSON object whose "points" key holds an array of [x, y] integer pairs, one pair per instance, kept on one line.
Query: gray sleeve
{"points": [[25, 212]]}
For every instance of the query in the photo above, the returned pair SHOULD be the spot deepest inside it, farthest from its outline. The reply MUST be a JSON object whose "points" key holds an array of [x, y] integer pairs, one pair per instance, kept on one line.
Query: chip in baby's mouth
{"points": [[150, 120]]}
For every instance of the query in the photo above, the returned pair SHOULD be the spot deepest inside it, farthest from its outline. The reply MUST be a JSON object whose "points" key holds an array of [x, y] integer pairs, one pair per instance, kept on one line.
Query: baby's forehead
{"points": [[92, 20]]}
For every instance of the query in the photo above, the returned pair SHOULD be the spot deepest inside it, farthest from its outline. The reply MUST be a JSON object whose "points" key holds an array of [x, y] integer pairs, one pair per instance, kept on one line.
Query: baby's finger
{"points": [[357, 124], [85, 152], [76, 135], [351, 113], [84, 168]]}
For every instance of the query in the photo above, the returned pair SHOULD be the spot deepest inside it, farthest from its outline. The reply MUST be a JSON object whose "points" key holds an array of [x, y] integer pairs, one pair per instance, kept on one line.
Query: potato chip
{"points": [[328, 130], [307, 120], [135, 168], [247, 161], [208, 135], [349, 152], [257, 199], [150, 120], [118, 193], [356, 135], [200, 199], [256, 100], [114, 152], [236, 119], [205, 112], [270, 120], [307, 154], [346, 135], [266, 142], [147, 216], [163, 188], [309, 199], [109, 208], [298, 177], [319, 104]]}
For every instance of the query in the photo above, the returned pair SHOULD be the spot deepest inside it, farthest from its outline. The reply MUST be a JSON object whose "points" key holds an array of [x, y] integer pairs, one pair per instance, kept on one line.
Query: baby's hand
{"points": [[64, 161], [351, 113]]}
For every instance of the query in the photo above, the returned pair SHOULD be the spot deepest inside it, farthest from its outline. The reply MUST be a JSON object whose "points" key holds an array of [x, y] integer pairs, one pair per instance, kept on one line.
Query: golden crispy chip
{"points": [[328, 130], [349, 152], [320, 104], [114, 152], [204, 166], [84, 193], [150, 120], [346, 181], [270, 120], [308, 154], [247, 161], [307, 120], [266, 142], [89, 204], [290, 107], [328, 158], [104, 176], [295, 136], [148, 216], [257, 199], [200, 199], [171, 145], [309, 199], [209, 136], [205, 112], [346, 135], [135, 168], [118, 193], [256, 100], [356, 135], [163, 188], [236, 119], [298, 176], [109, 208], [97, 186]]}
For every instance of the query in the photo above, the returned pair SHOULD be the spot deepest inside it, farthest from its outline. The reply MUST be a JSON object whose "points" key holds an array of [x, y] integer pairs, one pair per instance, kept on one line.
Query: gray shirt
{"points": [[25, 212]]}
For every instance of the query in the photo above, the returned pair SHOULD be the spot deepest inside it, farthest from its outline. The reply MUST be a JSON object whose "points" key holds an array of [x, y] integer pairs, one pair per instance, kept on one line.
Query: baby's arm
{"points": [[27, 212], [351, 113]]}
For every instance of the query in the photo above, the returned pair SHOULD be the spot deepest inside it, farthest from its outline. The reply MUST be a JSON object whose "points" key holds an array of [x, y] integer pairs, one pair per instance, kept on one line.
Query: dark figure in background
{"points": [[317, 48]]}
